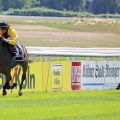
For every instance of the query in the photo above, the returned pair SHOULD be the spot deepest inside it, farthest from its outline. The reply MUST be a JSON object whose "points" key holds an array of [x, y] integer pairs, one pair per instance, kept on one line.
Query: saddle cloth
{"points": [[20, 49]]}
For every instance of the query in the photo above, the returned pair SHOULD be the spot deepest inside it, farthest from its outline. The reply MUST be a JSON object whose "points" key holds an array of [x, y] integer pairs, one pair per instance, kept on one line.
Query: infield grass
{"points": [[90, 32], [75, 105]]}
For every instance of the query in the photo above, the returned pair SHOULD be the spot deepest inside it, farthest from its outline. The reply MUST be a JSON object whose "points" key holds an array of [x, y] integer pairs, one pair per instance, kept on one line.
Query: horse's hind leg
{"points": [[24, 69], [21, 84]]}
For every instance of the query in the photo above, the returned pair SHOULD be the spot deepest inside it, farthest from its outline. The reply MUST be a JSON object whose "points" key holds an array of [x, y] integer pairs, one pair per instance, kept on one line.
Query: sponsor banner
{"points": [[76, 76], [100, 74], [42, 76], [56, 76], [92, 74], [16, 74], [97, 74], [112, 74]]}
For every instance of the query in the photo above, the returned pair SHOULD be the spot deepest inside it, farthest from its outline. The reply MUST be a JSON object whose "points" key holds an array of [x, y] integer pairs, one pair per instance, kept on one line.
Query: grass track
{"points": [[82, 105]]}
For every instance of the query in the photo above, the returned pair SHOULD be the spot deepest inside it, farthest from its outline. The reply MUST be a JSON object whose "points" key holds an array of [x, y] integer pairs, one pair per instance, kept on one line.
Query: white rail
{"points": [[68, 51]]}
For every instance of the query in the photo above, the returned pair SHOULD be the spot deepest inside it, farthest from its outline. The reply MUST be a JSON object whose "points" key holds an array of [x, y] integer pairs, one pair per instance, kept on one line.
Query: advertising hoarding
{"points": [[96, 74], [56, 76], [76, 76]]}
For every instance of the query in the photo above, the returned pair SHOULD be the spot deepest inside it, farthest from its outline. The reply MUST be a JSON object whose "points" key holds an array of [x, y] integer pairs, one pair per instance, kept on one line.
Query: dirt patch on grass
{"points": [[68, 38], [63, 35]]}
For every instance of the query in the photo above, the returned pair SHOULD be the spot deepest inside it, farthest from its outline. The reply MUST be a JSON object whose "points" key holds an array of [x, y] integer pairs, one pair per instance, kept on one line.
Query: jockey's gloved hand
{"points": [[5, 40]]}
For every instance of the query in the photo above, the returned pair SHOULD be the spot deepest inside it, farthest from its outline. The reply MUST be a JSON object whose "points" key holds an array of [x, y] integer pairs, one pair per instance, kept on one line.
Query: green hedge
{"points": [[56, 13], [46, 12], [39, 12]]}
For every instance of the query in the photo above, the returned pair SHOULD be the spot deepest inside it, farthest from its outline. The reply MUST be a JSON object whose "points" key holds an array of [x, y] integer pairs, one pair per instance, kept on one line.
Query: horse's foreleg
{"points": [[6, 85], [4, 92]]}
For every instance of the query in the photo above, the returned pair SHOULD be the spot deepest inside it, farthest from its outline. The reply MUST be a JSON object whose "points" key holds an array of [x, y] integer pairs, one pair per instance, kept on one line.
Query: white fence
{"points": [[67, 51]]}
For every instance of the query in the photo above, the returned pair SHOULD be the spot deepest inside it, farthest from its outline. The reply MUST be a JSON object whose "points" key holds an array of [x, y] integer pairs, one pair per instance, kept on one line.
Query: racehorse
{"points": [[7, 63]]}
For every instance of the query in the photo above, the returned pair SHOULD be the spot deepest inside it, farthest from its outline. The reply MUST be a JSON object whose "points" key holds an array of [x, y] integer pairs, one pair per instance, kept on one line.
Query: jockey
{"points": [[9, 36]]}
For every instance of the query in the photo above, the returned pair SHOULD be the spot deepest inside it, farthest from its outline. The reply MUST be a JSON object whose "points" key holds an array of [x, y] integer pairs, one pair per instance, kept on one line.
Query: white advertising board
{"points": [[99, 74], [56, 76]]}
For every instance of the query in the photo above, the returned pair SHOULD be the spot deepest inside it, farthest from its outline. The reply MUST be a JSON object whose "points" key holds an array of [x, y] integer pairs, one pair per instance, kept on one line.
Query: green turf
{"points": [[82, 105]]}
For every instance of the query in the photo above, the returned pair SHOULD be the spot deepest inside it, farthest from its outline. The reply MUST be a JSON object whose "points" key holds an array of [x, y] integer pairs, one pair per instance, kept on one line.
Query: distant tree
{"points": [[88, 5], [27, 3], [94, 6], [82, 5], [16, 4], [104, 6], [4, 5], [0, 5], [52, 4], [117, 2], [36, 3], [74, 5]]}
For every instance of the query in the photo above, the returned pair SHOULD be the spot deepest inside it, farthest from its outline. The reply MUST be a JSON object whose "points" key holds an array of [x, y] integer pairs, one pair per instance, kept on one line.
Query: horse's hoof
{"points": [[118, 88], [20, 93], [4, 93]]}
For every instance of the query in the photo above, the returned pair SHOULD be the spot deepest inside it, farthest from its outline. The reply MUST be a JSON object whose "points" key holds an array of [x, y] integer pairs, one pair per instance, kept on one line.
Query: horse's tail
{"points": [[26, 55]]}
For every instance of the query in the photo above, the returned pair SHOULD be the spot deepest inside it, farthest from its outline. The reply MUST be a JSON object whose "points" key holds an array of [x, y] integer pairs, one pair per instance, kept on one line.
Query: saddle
{"points": [[20, 51]]}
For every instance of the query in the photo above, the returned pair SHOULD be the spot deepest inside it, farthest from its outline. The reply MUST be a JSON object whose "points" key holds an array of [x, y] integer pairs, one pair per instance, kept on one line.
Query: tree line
{"points": [[90, 6]]}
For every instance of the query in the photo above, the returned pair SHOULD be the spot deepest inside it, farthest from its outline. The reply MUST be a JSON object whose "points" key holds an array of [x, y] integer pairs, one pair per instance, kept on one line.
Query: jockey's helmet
{"points": [[4, 25]]}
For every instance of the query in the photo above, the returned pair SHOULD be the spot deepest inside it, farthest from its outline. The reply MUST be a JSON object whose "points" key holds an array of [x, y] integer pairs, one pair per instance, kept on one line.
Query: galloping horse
{"points": [[7, 63]]}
